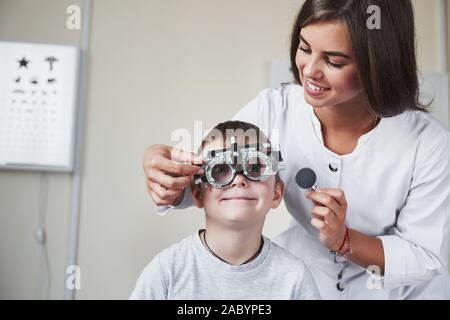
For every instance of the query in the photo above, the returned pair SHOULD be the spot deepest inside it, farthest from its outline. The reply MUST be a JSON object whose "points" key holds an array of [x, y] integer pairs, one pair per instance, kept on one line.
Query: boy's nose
{"points": [[239, 180]]}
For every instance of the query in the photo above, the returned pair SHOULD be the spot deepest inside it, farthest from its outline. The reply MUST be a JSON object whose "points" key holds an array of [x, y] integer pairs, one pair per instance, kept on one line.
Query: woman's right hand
{"points": [[168, 171]]}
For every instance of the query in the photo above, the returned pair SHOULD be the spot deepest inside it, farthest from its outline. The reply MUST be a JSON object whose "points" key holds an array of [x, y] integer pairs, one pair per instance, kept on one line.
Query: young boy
{"points": [[230, 259]]}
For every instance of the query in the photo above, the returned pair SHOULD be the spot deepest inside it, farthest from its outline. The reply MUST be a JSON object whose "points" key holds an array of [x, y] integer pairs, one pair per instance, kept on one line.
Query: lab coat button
{"points": [[340, 286], [333, 167]]}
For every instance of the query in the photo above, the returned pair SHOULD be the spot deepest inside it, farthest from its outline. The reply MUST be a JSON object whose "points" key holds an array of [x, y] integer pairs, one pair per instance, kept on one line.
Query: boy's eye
{"points": [[255, 167], [221, 172], [220, 169]]}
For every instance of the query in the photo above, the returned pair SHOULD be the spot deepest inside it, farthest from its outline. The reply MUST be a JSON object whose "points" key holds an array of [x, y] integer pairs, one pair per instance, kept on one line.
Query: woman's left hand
{"points": [[329, 216]]}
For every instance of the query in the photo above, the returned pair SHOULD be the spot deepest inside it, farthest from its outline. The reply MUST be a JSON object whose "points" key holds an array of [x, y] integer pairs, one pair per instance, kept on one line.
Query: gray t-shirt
{"points": [[187, 270]]}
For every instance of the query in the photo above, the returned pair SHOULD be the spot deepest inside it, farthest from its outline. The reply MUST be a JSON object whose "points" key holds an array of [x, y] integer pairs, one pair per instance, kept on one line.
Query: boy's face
{"points": [[244, 201]]}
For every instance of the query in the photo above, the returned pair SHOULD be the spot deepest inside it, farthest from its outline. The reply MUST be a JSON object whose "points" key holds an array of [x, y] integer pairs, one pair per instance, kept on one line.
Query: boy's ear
{"points": [[278, 194], [197, 195]]}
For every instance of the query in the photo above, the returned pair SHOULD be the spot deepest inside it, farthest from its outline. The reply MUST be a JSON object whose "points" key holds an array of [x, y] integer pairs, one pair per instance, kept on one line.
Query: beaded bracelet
{"points": [[343, 241], [349, 250]]}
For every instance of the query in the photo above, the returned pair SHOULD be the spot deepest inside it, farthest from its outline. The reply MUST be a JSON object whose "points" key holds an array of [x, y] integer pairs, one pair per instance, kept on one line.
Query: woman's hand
{"points": [[329, 216], [166, 176]]}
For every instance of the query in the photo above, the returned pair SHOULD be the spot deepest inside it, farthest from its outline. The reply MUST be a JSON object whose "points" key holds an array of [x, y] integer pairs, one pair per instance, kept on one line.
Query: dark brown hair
{"points": [[385, 57]]}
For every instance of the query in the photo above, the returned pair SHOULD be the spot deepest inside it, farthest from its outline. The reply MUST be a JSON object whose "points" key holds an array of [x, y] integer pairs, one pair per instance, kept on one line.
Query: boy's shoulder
{"points": [[156, 277], [283, 259], [293, 270], [176, 251], [168, 256]]}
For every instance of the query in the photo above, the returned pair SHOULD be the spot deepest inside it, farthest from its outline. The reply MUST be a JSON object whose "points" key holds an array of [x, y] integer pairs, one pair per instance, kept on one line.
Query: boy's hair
{"points": [[245, 132]]}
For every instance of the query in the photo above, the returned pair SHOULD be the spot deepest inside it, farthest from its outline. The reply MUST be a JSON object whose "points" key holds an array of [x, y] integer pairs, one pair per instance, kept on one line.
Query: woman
{"points": [[377, 228]]}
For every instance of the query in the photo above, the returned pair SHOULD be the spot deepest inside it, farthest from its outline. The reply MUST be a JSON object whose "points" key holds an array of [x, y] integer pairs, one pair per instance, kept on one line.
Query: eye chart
{"points": [[37, 106]]}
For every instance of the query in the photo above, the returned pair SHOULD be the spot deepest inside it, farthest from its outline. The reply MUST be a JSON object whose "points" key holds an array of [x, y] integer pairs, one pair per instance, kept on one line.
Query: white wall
{"points": [[154, 66]]}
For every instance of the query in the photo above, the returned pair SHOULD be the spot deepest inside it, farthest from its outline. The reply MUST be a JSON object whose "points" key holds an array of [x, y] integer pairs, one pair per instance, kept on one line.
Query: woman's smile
{"points": [[314, 90]]}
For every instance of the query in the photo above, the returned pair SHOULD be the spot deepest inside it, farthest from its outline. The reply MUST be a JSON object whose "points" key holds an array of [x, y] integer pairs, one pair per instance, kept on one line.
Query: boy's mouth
{"points": [[238, 198]]}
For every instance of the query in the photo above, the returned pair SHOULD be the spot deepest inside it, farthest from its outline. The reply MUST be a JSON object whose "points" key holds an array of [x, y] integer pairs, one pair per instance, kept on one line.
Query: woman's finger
{"points": [[170, 166], [170, 182], [318, 224], [158, 201], [185, 157], [324, 199], [163, 193], [318, 217], [337, 194], [326, 214]]}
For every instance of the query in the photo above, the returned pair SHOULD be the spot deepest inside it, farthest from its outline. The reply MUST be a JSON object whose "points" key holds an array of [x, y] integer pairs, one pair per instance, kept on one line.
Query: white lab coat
{"points": [[397, 185]]}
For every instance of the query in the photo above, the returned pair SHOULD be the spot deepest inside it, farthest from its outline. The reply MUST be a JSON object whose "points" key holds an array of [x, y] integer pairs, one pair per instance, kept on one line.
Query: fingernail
{"points": [[201, 171], [307, 194]]}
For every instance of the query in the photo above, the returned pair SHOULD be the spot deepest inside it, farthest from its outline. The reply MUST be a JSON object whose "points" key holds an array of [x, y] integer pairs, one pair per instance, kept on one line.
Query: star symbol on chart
{"points": [[23, 62]]}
